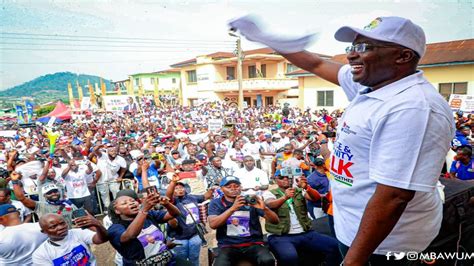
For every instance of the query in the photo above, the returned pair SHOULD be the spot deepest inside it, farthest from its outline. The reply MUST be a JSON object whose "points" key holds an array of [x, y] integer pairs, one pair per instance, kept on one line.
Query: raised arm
{"points": [[18, 191]]}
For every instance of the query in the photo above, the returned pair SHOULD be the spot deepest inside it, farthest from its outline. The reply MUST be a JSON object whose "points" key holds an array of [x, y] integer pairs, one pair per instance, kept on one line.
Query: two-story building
{"points": [[214, 77], [167, 81], [449, 66]]}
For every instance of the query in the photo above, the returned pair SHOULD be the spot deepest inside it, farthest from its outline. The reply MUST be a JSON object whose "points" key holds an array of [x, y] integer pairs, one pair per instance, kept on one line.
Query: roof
{"points": [[449, 52], [184, 63], [461, 51]]}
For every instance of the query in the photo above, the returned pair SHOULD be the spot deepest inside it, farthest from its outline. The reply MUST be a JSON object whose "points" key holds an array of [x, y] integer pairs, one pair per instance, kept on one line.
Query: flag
{"points": [[29, 110], [19, 114]]}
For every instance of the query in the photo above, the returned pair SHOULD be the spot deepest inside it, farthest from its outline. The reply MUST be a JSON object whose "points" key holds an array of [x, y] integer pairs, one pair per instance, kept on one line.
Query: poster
{"points": [[120, 103], [464, 103], [215, 125]]}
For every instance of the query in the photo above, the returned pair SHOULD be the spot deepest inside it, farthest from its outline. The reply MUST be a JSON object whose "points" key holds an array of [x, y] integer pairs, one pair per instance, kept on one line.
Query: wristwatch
{"points": [[15, 182], [324, 141]]}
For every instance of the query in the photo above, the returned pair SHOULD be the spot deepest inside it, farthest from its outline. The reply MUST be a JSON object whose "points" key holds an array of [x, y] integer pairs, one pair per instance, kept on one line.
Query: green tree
{"points": [[44, 110]]}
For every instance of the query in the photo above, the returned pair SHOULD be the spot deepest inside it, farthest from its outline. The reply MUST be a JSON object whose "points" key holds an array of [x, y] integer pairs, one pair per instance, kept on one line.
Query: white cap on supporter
{"points": [[397, 30], [48, 187], [135, 154]]}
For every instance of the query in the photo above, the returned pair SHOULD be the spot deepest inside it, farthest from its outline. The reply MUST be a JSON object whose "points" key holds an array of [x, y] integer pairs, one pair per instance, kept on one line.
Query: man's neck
{"points": [[229, 199]]}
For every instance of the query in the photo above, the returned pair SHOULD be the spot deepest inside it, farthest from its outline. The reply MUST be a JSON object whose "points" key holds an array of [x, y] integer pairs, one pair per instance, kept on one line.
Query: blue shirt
{"points": [[463, 172], [150, 238], [186, 228], [248, 223], [152, 176], [320, 182]]}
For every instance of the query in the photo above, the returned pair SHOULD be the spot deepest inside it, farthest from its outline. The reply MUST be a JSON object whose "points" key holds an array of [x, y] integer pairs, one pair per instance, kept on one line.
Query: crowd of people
{"points": [[154, 181]]}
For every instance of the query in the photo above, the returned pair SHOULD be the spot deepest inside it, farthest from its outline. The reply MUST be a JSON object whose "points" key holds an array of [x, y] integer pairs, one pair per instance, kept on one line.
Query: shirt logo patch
{"points": [[78, 256], [347, 129]]}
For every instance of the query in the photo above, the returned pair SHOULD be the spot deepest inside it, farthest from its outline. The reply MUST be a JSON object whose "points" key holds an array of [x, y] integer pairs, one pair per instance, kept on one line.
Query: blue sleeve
{"points": [[260, 212], [198, 198], [158, 215], [453, 167], [135, 172], [115, 231], [215, 207]]}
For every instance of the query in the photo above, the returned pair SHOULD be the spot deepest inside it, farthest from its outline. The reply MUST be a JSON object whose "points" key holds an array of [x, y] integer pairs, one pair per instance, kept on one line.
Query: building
{"points": [[449, 66], [214, 77], [167, 82]]}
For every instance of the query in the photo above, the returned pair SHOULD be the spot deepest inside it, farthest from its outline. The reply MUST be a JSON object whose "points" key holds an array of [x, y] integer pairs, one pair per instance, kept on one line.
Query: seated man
{"points": [[293, 233], [239, 234], [68, 246]]}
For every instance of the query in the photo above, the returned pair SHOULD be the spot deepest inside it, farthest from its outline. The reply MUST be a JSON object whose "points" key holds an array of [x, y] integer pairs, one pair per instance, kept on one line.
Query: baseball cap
{"points": [[277, 136], [229, 179], [397, 30], [135, 154], [6, 209], [49, 187]]}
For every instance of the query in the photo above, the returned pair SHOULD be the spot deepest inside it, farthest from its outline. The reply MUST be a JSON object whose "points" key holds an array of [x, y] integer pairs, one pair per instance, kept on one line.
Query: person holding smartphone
{"points": [[135, 232], [183, 230]]}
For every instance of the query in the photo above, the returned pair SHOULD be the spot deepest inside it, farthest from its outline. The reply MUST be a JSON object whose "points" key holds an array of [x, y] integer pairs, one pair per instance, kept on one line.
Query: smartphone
{"points": [[79, 213], [151, 189], [191, 174]]}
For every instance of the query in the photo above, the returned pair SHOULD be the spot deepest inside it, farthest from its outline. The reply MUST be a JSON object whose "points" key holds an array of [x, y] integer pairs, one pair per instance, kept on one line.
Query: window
{"points": [[290, 68], [446, 89], [152, 81], [252, 72], [173, 80], [230, 72], [263, 71], [268, 100], [137, 82], [192, 78], [325, 98]]}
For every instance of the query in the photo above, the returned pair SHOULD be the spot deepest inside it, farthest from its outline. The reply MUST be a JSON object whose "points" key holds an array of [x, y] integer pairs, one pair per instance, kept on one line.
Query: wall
{"points": [[309, 87], [448, 74]]}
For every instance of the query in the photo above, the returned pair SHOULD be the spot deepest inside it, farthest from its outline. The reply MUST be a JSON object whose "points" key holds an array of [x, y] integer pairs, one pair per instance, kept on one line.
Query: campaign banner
{"points": [[19, 114], [215, 125], [462, 102], [29, 111], [86, 103], [120, 103]]}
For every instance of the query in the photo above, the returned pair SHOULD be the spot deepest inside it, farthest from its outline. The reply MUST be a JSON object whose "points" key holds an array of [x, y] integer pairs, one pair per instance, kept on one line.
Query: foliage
{"points": [[44, 110]]}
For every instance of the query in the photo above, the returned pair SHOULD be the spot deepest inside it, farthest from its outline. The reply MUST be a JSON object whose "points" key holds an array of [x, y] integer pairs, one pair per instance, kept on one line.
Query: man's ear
{"points": [[406, 56]]}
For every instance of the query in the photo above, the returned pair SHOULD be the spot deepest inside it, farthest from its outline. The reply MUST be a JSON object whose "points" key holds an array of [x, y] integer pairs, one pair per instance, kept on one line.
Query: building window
{"points": [[325, 98], [291, 68], [230, 72], [173, 80], [263, 71], [192, 78], [446, 89], [252, 72], [152, 81], [137, 82]]}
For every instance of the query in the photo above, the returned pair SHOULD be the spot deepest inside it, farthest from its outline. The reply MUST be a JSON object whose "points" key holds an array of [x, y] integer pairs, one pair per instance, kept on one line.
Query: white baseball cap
{"points": [[397, 30]]}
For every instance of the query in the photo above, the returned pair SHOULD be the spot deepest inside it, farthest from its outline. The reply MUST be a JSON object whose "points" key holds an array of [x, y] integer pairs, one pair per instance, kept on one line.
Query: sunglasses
{"points": [[282, 177], [364, 47]]}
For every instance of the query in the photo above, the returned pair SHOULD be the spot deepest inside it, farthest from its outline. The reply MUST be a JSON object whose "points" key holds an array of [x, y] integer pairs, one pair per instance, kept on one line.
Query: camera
{"points": [[250, 199], [290, 171]]}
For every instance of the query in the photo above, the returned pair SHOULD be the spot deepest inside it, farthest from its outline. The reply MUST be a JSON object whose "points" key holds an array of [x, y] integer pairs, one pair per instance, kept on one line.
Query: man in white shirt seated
{"points": [[253, 180], [17, 240], [68, 247], [253, 148]]}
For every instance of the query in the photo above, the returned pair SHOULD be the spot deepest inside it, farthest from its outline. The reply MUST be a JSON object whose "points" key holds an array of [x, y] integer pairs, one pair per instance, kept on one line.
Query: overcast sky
{"points": [[146, 36]]}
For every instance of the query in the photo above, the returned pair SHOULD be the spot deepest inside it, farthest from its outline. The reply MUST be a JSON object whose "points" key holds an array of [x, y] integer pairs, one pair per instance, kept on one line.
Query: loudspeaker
{"points": [[457, 229]]}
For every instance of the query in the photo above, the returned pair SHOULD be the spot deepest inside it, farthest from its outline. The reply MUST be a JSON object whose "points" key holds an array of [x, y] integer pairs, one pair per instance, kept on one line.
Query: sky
{"points": [[116, 38]]}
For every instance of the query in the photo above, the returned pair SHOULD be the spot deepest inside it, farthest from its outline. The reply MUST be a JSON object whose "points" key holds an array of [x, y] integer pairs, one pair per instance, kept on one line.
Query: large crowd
{"points": [[153, 181], [158, 173]]}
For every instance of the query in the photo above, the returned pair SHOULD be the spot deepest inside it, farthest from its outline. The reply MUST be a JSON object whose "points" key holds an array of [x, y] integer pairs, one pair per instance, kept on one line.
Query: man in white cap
{"points": [[386, 163]]}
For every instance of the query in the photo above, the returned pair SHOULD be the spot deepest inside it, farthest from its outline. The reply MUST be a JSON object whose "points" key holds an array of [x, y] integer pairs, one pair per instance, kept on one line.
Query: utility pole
{"points": [[240, 58]]}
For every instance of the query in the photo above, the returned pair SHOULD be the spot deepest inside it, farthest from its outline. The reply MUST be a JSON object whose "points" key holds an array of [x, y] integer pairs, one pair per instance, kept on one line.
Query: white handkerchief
{"points": [[250, 29]]}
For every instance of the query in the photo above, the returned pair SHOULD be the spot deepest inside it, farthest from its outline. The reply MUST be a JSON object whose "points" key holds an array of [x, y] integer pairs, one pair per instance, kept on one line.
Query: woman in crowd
{"points": [[135, 232]]}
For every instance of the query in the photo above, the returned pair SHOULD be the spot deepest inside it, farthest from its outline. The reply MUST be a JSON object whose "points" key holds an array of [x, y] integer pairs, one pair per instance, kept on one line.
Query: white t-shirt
{"points": [[72, 250], [295, 226], [251, 179], [18, 242], [76, 183], [252, 149], [110, 169], [21, 208], [400, 141]]}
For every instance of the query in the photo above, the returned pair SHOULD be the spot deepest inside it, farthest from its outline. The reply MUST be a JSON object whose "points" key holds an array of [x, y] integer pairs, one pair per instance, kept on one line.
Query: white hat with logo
{"points": [[397, 30]]}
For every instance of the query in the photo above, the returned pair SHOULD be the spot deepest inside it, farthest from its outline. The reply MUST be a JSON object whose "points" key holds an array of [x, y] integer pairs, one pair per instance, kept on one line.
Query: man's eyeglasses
{"points": [[364, 47]]}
